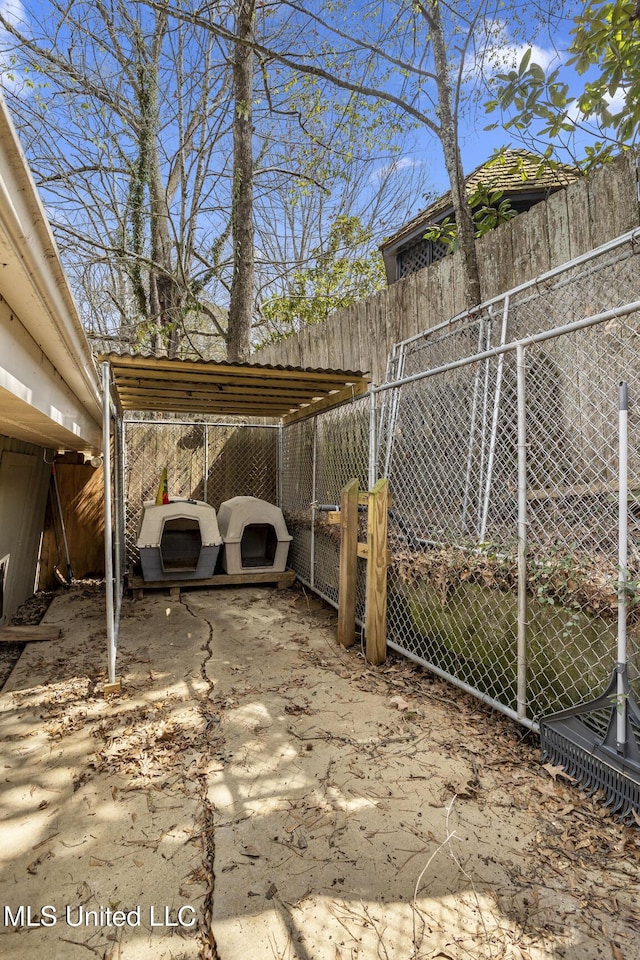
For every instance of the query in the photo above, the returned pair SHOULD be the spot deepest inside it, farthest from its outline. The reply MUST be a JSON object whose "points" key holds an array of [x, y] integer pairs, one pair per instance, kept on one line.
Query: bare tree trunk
{"points": [[243, 284], [453, 162]]}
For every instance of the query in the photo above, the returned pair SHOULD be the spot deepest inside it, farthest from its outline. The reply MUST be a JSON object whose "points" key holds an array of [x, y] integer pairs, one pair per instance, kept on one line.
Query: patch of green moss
{"points": [[471, 632]]}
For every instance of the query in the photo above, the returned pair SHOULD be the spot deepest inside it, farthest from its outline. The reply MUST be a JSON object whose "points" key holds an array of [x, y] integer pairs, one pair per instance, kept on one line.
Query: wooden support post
{"points": [[376, 620], [112, 689], [348, 564]]}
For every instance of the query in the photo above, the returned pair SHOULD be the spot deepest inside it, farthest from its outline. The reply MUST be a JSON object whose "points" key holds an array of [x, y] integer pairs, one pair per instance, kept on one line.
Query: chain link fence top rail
{"points": [[205, 461], [449, 445]]}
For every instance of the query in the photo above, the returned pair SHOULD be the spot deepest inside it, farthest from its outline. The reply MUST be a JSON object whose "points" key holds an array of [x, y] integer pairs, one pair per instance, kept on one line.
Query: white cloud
{"points": [[499, 52], [616, 104], [395, 166], [13, 11], [618, 101]]}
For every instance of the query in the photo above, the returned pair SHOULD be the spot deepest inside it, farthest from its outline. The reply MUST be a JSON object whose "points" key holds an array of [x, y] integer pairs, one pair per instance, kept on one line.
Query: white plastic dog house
{"points": [[179, 540], [255, 536]]}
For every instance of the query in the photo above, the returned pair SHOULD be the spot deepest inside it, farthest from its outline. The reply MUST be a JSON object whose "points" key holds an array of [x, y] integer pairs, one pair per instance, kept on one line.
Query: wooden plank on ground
{"points": [[283, 579], [29, 633]]}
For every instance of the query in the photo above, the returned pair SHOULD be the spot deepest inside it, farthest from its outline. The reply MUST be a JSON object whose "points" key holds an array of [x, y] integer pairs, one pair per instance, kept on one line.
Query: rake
{"points": [[598, 742]]}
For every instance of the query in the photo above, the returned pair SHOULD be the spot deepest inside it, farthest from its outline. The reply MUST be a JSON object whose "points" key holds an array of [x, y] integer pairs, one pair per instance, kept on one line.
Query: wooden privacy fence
{"points": [[571, 222], [81, 489]]}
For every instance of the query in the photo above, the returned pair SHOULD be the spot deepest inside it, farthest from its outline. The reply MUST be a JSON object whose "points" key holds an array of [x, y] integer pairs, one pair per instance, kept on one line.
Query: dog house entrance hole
{"points": [[180, 544], [258, 545]]}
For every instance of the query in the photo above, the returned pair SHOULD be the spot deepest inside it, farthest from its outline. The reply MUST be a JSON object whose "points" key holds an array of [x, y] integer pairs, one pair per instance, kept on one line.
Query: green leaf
{"points": [[524, 63]]}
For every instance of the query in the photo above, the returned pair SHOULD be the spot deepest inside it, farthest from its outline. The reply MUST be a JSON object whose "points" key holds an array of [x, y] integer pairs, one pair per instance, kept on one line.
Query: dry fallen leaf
{"points": [[616, 952], [556, 772], [250, 851], [399, 702]]}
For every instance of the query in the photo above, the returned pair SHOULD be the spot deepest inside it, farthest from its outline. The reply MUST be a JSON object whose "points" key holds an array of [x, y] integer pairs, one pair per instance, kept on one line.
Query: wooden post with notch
{"points": [[348, 564], [377, 561]]}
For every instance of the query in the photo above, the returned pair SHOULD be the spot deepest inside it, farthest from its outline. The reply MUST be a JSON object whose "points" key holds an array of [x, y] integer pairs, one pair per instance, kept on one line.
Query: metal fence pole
{"points": [[205, 478], [623, 572], [494, 423], [522, 533], [118, 522], [483, 433], [280, 463], [472, 431], [314, 496], [108, 535], [373, 445]]}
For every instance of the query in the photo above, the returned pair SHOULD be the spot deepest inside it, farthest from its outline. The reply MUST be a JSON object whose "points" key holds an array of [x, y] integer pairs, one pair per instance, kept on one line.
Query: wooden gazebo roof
{"points": [[145, 383], [517, 173]]}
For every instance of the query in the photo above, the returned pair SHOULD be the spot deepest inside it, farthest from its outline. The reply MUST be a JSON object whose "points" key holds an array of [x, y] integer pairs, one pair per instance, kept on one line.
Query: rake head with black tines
{"points": [[582, 740]]}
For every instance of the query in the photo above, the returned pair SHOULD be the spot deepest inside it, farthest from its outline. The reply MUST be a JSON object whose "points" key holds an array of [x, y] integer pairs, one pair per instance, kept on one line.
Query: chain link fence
{"points": [[450, 438], [496, 428], [205, 461], [320, 456]]}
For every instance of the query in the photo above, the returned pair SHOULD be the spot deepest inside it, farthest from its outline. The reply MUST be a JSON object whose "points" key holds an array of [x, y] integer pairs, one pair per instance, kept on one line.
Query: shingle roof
{"points": [[513, 172]]}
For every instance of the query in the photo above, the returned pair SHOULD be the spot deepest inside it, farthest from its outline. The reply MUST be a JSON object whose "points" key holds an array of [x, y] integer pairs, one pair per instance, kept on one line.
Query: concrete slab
{"points": [[100, 805], [255, 791]]}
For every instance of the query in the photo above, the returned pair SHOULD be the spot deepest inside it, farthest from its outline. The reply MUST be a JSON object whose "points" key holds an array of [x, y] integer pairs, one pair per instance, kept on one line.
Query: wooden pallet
{"points": [[29, 633], [282, 580]]}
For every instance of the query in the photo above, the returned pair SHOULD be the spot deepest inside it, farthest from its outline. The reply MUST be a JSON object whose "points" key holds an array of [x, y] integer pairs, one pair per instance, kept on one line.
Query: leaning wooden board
{"points": [[29, 633]]}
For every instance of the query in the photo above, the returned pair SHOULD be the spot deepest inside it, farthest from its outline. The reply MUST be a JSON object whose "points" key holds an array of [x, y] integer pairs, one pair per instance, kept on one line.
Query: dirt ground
{"points": [[255, 791]]}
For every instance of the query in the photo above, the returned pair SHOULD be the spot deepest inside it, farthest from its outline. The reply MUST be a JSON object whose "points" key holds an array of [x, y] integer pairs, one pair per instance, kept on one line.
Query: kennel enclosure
{"points": [[224, 402], [493, 431]]}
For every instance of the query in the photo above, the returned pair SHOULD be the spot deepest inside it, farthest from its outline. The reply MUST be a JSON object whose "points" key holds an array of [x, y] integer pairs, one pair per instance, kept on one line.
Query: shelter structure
{"points": [[521, 178], [139, 384]]}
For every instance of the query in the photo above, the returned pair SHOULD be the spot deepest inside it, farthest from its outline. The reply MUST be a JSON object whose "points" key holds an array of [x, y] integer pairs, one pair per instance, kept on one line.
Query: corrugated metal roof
{"points": [[516, 172], [146, 383]]}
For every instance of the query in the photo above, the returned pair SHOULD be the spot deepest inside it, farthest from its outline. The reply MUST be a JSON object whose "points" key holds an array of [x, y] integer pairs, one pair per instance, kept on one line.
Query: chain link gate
{"points": [[320, 456], [537, 634]]}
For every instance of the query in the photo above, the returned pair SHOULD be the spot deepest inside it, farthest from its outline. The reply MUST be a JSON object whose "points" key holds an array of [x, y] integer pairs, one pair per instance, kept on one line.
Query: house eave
{"points": [[38, 310]]}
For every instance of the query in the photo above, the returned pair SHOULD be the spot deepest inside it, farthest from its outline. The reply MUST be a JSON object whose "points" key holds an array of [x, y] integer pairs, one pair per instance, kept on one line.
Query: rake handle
{"points": [[623, 574]]}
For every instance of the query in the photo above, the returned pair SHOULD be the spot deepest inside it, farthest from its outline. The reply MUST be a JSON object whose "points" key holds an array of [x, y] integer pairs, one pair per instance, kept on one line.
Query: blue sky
{"points": [[477, 144], [423, 151], [549, 49]]}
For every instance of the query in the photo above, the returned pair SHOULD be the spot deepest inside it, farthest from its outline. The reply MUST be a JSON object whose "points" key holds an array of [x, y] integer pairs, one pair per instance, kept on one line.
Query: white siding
{"points": [[24, 484]]}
